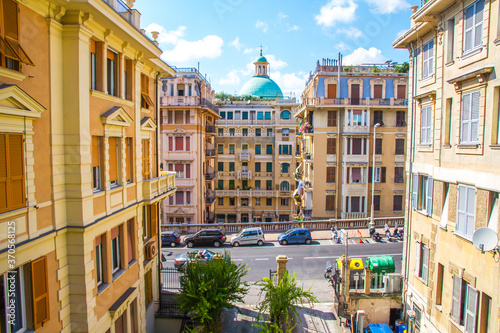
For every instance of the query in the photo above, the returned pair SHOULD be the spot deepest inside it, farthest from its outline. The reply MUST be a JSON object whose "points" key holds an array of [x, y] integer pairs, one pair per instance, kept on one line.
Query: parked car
{"points": [[248, 236], [294, 236], [378, 328], [170, 238], [184, 258], [207, 237]]}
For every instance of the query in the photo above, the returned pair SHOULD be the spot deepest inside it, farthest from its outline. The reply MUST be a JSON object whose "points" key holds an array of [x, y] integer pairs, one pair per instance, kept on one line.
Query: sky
{"points": [[224, 36]]}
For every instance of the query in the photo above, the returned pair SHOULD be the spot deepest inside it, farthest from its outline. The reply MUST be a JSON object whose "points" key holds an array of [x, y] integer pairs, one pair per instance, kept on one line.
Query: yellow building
{"points": [[79, 170], [256, 153], [450, 285], [336, 132], [188, 131]]}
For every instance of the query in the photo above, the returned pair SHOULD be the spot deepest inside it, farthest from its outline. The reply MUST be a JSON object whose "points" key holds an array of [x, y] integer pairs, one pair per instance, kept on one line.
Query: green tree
{"points": [[281, 299], [403, 68], [209, 288]]}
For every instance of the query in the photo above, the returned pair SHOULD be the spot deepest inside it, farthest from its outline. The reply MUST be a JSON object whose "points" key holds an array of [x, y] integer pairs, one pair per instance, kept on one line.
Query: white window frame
{"points": [[466, 211], [422, 257], [428, 59], [425, 125], [287, 132], [115, 250], [22, 299], [469, 117], [473, 28], [464, 305], [99, 264], [376, 175]]}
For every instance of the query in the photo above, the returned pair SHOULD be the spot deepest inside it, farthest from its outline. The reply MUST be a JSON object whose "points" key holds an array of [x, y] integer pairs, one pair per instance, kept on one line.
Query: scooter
{"points": [[372, 231], [328, 270], [376, 237], [400, 235], [335, 236]]}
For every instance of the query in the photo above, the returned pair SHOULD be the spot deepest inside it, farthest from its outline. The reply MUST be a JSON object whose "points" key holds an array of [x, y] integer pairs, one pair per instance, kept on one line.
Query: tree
{"points": [[282, 299], [210, 287], [403, 68]]}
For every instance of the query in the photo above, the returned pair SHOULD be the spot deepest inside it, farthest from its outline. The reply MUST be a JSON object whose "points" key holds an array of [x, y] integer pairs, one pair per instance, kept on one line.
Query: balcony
{"points": [[245, 156], [210, 176], [245, 193], [132, 16], [354, 215], [210, 198], [209, 152], [245, 175], [210, 129], [158, 188], [188, 101]]}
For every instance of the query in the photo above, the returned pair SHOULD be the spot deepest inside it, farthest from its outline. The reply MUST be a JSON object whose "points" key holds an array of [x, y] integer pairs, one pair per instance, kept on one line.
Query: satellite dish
{"points": [[485, 239]]}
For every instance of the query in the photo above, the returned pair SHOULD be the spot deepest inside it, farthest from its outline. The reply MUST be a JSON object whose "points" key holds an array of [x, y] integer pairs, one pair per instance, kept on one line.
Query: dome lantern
{"points": [[260, 85]]}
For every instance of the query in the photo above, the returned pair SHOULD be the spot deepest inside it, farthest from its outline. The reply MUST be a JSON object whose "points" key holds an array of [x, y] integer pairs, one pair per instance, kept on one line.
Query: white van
{"points": [[249, 236]]}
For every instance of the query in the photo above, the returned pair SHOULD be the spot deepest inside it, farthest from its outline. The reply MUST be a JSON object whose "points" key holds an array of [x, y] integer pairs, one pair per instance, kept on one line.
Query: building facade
{"points": [[79, 169], [450, 285], [336, 133], [256, 153], [188, 131]]}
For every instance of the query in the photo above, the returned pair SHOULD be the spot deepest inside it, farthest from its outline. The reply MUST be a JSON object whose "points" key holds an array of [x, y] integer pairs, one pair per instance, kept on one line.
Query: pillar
{"points": [[281, 260]]}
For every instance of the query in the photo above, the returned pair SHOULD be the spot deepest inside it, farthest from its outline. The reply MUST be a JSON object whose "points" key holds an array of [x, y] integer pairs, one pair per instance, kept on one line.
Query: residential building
{"points": [[256, 151], [79, 170], [337, 117], [188, 131], [451, 285]]}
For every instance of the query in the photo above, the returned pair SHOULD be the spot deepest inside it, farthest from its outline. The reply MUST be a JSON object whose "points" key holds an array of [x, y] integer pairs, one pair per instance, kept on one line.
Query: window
{"points": [[257, 166], [269, 201], [244, 115], [187, 116], [332, 119], [231, 184], [99, 260], [179, 197], [269, 167], [257, 184], [378, 146], [257, 201], [285, 114], [93, 65], [245, 202], [469, 131], [221, 202], [356, 146], [285, 201], [356, 175], [112, 77], [220, 149], [269, 132], [331, 145], [357, 117], [380, 174], [285, 168], [12, 52], [400, 118], [260, 115], [285, 132], [399, 175], [425, 125], [115, 249], [231, 202], [464, 304], [231, 166], [376, 203], [357, 204], [258, 132], [397, 204], [172, 90], [131, 232], [422, 262], [129, 159], [148, 287], [96, 162], [231, 149], [179, 117], [400, 146], [180, 89], [267, 115], [145, 159], [422, 193], [450, 30], [330, 202], [244, 132], [439, 284], [473, 26], [330, 174], [220, 166], [223, 114], [269, 185], [285, 149], [257, 149], [377, 92], [269, 149], [428, 59], [378, 118], [231, 132], [113, 161], [466, 208], [230, 115], [12, 181], [220, 183], [285, 186], [220, 132]]}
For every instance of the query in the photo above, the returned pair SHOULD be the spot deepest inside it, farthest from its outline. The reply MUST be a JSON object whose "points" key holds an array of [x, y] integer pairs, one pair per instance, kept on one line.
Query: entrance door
{"points": [[355, 94]]}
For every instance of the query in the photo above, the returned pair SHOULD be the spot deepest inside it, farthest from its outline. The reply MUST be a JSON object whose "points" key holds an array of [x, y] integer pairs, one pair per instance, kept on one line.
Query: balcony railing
{"points": [[354, 101], [210, 129], [188, 101], [354, 215], [210, 176], [244, 174], [245, 157], [159, 187], [245, 193], [210, 152], [210, 198], [121, 8]]}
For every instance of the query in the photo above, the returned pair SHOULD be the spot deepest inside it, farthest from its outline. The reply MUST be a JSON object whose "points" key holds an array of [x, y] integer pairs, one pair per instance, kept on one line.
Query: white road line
{"points": [[353, 256], [236, 259], [330, 257], [262, 259]]}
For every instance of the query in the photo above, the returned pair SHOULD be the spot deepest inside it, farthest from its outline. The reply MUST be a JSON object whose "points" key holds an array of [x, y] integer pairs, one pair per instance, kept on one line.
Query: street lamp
{"points": [[372, 224]]}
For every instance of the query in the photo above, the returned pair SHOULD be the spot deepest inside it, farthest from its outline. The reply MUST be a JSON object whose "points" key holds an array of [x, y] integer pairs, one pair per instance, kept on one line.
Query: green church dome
{"points": [[261, 59], [261, 87]]}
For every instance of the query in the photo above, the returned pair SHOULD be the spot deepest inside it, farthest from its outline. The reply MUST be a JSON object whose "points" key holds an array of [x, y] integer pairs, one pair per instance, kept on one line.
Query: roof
{"points": [[262, 87], [261, 59]]}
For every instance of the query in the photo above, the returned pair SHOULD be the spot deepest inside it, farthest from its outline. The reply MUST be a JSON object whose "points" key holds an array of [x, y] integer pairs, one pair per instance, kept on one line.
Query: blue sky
{"points": [[225, 35]]}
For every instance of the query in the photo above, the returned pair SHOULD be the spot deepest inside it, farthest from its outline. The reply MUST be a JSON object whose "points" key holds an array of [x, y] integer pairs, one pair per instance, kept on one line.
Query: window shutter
{"points": [[154, 219], [377, 91], [418, 253], [179, 143], [425, 62], [112, 160], [471, 310], [370, 174], [465, 131], [40, 292], [279, 149], [474, 117], [95, 151], [414, 192], [382, 175], [430, 58], [188, 170], [461, 209], [425, 264], [478, 21], [469, 27], [455, 298], [471, 211], [330, 145], [430, 187], [145, 159], [3, 173], [423, 122], [428, 125], [188, 143]]}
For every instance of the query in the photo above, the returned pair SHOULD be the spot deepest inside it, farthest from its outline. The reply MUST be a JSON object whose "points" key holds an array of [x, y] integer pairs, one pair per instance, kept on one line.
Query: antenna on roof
{"points": [[261, 50]]}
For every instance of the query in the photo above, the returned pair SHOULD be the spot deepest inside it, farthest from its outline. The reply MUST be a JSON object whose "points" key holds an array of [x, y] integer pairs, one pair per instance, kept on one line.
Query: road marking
{"points": [[262, 259], [364, 255], [318, 257], [237, 259]]}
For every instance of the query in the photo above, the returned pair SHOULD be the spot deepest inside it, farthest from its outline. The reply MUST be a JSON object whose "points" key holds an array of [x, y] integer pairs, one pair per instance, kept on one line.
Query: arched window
{"points": [[259, 69], [285, 168], [285, 186], [285, 114]]}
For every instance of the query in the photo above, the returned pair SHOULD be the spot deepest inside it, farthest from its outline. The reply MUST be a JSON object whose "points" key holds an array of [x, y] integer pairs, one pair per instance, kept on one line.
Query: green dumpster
{"points": [[381, 264]]}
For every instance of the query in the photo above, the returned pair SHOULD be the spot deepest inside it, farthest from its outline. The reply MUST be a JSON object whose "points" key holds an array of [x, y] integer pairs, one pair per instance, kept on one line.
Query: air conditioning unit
{"points": [[150, 250]]}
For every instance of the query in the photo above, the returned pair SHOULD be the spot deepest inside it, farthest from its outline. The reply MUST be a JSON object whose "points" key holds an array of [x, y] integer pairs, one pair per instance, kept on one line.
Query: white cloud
{"points": [[351, 32], [293, 27], [261, 25], [290, 82], [388, 6], [231, 79], [186, 51], [337, 11], [236, 43], [282, 15], [400, 33], [251, 50], [170, 37], [362, 56], [275, 63], [341, 46]]}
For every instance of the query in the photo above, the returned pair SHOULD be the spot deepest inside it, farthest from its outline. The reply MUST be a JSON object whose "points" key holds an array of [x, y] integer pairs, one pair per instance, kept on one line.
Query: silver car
{"points": [[249, 236]]}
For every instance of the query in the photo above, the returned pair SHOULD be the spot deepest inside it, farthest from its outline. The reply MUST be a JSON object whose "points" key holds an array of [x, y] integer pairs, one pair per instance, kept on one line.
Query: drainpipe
{"points": [[158, 210]]}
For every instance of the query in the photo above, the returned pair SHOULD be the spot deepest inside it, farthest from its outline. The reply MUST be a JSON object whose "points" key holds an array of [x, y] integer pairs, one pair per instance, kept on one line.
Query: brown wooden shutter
{"points": [[112, 160], [188, 143], [382, 176], [277, 187], [10, 19], [332, 91], [92, 46], [377, 91], [130, 235], [3, 173], [145, 159], [330, 145], [39, 284], [330, 174], [12, 192], [188, 170], [129, 158], [179, 143], [370, 174], [95, 151], [154, 219], [401, 92]]}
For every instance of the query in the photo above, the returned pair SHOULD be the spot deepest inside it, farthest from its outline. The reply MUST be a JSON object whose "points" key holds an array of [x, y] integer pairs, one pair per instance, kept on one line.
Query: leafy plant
{"points": [[208, 288], [281, 299], [403, 68]]}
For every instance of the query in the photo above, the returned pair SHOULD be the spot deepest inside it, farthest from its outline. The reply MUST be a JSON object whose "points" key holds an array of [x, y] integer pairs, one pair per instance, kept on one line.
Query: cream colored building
{"points": [[336, 133], [188, 131], [79, 170], [453, 158], [256, 153]]}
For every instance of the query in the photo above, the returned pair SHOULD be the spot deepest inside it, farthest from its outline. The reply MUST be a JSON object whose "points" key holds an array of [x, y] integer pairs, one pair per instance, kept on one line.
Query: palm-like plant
{"points": [[208, 288], [281, 299]]}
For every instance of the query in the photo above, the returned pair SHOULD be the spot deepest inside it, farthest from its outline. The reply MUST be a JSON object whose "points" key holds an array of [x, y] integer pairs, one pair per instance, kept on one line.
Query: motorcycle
{"points": [[400, 234], [331, 274], [328, 270], [376, 237], [335, 236], [372, 231]]}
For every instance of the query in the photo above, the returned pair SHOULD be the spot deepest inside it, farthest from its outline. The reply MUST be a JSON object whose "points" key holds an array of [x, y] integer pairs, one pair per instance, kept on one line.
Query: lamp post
{"points": [[372, 224]]}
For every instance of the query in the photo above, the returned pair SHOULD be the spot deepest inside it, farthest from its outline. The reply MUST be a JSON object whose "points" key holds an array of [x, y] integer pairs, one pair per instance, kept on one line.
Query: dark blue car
{"points": [[170, 238], [295, 236], [378, 328]]}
